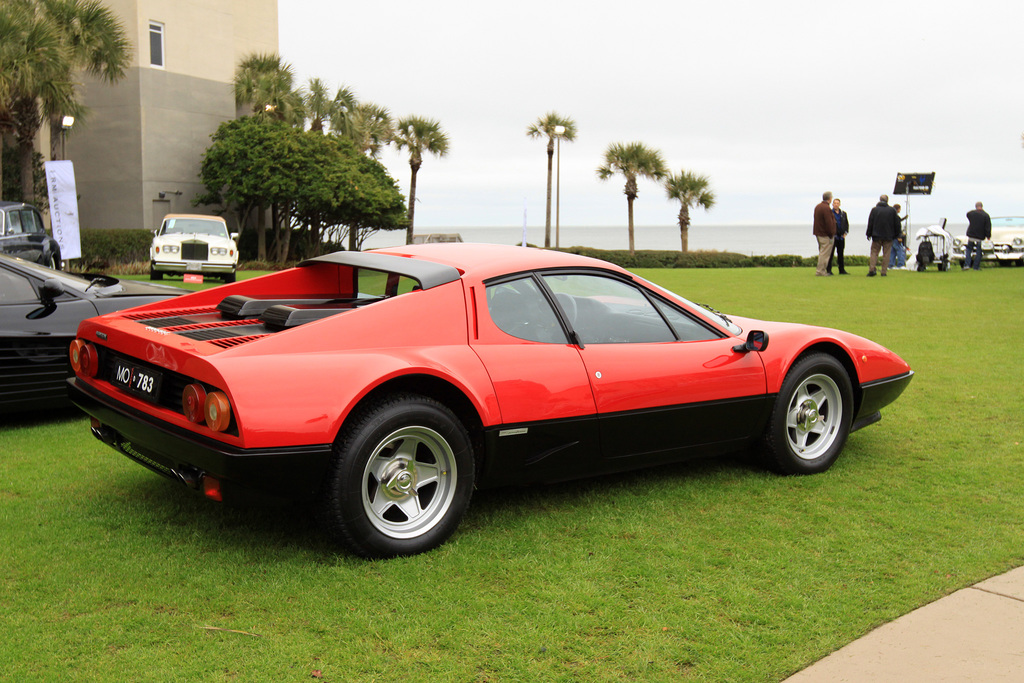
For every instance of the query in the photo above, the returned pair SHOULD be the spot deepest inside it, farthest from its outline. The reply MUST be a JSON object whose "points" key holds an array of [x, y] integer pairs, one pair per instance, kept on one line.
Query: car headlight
{"points": [[168, 249], [219, 251]]}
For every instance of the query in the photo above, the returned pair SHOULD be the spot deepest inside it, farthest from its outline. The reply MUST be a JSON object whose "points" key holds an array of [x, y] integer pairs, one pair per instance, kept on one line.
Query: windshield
{"points": [[193, 226]]}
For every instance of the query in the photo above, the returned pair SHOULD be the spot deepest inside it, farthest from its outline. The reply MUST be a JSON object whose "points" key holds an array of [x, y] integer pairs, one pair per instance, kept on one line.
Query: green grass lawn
{"points": [[705, 571]]}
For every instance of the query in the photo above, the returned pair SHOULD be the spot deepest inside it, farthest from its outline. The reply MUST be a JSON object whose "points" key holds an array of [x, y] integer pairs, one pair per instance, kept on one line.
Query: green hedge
{"points": [[703, 259], [106, 249], [109, 249]]}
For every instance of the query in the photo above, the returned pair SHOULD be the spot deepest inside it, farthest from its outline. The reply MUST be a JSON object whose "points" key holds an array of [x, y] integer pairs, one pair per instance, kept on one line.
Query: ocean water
{"points": [[742, 239]]}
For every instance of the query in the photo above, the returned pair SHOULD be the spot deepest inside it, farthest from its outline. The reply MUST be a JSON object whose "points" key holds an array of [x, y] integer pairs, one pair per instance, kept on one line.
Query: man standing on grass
{"points": [[825, 231], [883, 227], [979, 228], [842, 228]]}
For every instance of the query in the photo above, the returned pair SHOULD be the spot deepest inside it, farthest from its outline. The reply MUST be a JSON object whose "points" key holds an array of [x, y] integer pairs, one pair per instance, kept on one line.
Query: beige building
{"points": [[137, 156]]}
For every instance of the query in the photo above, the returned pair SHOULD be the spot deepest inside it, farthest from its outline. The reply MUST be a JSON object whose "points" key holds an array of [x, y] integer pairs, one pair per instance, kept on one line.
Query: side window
{"points": [[686, 328], [13, 222], [603, 310], [31, 222], [519, 308], [156, 44]]}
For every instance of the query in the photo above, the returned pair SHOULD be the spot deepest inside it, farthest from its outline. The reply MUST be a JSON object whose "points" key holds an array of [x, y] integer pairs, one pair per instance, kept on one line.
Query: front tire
{"points": [[401, 478], [155, 274], [811, 417]]}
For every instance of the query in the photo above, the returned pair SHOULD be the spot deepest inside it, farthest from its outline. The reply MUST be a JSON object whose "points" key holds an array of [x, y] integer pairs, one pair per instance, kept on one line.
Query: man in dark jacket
{"points": [[979, 228], [824, 231], [883, 227], [842, 227]]}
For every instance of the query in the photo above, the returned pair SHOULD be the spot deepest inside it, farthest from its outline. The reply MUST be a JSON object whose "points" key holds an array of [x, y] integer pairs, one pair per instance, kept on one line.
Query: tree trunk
{"points": [[629, 205], [547, 213], [353, 238], [56, 138], [26, 152], [261, 233], [684, 227], [412, 201], [286, 238]]}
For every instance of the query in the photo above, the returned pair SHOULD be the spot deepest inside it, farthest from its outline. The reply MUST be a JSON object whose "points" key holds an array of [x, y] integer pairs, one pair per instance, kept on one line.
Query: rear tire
{"points": [[811, 417], [400, 480]]}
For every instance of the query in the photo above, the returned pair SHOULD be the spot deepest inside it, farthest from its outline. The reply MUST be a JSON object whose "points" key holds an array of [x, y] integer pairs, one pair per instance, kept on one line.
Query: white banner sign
{"points": [[60, 184]]}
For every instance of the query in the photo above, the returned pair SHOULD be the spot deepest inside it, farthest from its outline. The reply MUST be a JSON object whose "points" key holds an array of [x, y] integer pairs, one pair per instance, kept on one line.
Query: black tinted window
{"points": [[520, 309]]}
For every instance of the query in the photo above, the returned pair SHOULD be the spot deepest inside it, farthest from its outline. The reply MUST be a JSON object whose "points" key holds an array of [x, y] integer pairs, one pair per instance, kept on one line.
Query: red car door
{"points": [[665, 384]]}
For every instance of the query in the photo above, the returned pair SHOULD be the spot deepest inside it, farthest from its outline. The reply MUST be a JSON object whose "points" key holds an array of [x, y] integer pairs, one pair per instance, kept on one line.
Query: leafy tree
{"points": [[316, 184], [690, 190], [418, 135], [547, 126], [42, 43], [633, 160]]}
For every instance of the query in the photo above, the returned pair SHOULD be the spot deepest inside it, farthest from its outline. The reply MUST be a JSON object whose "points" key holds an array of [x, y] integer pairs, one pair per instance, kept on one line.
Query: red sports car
{"points": [[385, 386]]}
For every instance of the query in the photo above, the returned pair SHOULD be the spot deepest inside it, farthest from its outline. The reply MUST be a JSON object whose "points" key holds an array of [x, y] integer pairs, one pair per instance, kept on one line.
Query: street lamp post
{"points": [[65, 126], [559, 132]]}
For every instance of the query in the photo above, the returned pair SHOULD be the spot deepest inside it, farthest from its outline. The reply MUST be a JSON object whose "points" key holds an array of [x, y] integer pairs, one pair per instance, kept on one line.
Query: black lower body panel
{"points": [[245, 474]]}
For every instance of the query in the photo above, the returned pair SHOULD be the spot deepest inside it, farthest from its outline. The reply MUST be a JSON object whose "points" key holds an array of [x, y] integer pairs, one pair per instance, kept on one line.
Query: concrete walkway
{"points": [[975, 634]]}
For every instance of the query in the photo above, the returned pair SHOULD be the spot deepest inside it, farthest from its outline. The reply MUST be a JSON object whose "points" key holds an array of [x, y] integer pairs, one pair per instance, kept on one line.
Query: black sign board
{"points": [[914, 183]]}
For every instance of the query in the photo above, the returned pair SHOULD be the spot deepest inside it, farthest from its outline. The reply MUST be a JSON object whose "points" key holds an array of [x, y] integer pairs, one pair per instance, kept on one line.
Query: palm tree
{"points": [[418, 135], [265, 83], [548, 126], [51, 40], [370, 128], [691, 190], [343, 105], [632, 160], [33, 63], [96, 41]]}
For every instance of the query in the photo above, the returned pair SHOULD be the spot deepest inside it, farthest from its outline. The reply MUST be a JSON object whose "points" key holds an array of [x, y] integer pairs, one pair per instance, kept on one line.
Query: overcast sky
{"points": [[776, 101]]}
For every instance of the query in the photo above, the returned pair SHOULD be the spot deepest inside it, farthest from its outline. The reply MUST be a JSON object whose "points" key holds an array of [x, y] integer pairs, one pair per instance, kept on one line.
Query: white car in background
{"points": [[192, 243], [1006, 245]]}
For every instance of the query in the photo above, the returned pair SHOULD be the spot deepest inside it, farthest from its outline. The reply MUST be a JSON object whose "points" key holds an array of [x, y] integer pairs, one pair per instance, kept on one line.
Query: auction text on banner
{"points": [[60, 183]]}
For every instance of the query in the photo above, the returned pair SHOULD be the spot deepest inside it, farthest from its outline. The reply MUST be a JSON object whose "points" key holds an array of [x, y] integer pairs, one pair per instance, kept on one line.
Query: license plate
{"points": [[193, 266], [136, 380]]}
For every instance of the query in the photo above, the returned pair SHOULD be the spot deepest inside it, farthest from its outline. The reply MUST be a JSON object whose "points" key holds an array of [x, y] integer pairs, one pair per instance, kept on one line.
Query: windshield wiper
{"points": [[721, 315], [100, 281]]}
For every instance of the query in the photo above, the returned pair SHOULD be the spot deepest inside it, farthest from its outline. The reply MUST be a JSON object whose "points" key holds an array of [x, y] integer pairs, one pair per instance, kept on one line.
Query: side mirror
{"points": [[234, 236], [51, 289], [757, 340]]}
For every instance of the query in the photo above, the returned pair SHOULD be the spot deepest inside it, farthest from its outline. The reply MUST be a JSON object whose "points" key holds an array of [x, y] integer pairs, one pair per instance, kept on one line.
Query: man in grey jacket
{"points": [[883, 227]]}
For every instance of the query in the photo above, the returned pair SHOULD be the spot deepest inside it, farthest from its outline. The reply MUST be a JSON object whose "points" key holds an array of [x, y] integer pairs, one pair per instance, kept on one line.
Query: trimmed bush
{"points": [[104, 250]]}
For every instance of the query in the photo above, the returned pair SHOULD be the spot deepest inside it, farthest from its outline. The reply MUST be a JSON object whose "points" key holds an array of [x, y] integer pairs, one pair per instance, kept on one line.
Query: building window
{"points": [[156, 44]]}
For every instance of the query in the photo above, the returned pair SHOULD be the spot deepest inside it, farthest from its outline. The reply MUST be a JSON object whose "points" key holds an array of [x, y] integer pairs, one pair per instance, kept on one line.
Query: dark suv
{"points": [[22, 234]]}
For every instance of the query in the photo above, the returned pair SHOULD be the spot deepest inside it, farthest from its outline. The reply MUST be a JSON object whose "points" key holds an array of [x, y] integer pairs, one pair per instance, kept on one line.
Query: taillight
{"points": [[84, 359], [193, 402], [217, 411]]}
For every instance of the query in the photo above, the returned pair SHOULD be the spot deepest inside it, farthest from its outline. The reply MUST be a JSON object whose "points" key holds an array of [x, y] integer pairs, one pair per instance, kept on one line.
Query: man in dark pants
{"points": [[842, 227], [979, 228], [883, 227]]}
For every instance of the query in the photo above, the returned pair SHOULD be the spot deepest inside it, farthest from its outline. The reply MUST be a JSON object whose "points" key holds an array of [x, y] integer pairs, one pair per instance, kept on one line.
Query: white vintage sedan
{"points": [[1005, 247], [191, 243]]}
